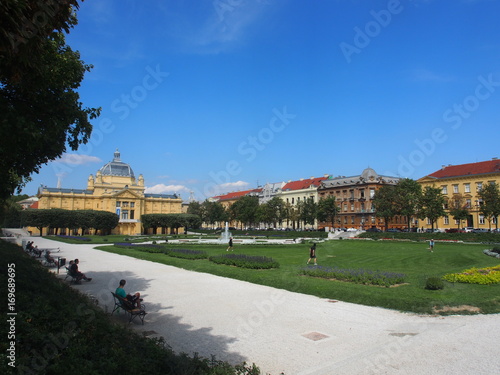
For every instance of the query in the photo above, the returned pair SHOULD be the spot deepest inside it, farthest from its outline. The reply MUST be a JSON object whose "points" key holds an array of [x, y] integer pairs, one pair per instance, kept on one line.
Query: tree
{"points": [[213, 212], [384, 203], [328, 209], [245, 209], [291, 213], [406, 198], [458, 209], [490, 202], [39, 77], [431, 204], [308, 211]]}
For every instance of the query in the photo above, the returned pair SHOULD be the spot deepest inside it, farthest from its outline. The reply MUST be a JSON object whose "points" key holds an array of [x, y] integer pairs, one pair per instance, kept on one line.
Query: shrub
{"points": [[245, 261], [434, 283], [358, 276]]}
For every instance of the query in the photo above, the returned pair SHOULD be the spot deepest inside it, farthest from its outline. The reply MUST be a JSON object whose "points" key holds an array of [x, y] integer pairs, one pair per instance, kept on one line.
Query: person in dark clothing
{"points": [[312, 254], [76, 272]]}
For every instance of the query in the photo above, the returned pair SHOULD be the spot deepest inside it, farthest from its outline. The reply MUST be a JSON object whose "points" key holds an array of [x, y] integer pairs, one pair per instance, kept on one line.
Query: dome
{"points": [[369, 174], [117, 168]]}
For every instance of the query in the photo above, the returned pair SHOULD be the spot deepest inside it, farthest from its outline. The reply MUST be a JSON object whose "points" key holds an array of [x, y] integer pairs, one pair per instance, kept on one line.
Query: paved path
{"points": [[288, 332]]}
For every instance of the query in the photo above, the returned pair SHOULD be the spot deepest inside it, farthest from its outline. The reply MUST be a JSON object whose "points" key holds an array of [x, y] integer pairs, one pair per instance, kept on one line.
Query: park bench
{"points": [[125, 305], [70, 274], [49, 260]]}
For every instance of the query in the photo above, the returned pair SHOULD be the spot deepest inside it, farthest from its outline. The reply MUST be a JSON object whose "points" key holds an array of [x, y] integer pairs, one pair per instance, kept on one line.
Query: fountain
{"points": [[224, 237]]}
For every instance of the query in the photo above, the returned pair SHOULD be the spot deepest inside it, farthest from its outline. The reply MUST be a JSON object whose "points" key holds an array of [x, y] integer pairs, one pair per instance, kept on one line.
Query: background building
{"points": [[113, 189], [354, 196], [462, 183]]}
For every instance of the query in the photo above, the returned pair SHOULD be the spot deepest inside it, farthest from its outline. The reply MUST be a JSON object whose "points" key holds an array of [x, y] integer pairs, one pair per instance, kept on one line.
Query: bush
{"points": [[434, 283]]}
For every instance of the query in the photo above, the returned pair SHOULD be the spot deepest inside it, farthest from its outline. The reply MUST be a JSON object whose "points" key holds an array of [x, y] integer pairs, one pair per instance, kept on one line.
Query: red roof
{"points": [[482, 167], [236, 194], [34, 205], [303, 184]]}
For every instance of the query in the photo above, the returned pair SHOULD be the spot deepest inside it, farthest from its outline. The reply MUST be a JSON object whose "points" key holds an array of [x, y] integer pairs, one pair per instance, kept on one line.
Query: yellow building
{"points": [[461, 183], [115, 189]]}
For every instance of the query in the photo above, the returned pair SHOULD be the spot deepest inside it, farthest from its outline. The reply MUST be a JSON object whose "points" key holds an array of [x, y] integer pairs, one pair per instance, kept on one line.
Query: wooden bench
{"points": [[125, 305]]}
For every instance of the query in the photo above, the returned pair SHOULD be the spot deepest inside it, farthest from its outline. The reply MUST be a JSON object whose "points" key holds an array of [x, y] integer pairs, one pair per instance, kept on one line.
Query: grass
{"points": [[409, 258]]}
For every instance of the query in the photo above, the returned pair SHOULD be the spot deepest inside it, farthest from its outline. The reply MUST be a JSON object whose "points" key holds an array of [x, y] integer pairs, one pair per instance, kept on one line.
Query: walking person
{"points": [[312, 254], [230, 247], [431, 245]]}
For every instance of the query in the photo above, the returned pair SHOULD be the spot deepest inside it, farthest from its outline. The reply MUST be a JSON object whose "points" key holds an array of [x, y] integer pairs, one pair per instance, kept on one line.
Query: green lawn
{"points": [[409, 258]]}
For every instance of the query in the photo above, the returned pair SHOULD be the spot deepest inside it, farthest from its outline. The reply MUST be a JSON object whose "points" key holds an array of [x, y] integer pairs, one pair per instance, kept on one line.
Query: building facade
{"points": [[115, 189], [461, 183], [294, 192], [354, 197]]}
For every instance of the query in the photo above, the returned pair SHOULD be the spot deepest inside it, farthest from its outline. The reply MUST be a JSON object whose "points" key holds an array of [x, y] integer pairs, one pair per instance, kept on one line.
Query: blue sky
{"points": [[225, 95]]}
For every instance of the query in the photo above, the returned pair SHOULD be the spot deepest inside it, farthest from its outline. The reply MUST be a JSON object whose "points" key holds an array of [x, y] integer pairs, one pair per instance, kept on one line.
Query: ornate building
{"points": [[115, 189], [462, 183], [354, 196]]}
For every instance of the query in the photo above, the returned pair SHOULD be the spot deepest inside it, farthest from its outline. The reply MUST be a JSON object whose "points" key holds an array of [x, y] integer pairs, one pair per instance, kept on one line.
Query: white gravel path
{"points": [[287, 332]]}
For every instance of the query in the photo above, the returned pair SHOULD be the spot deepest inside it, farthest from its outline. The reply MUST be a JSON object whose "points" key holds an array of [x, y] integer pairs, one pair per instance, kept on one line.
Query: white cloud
{"points": [[231, 186], [77, 159], [166, 189]]}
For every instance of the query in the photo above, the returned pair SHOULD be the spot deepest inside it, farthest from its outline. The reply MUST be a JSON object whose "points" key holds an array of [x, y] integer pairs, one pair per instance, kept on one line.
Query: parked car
{"points": [[393, 230], [351, 230], [454, 230], [468, 229], [373, 229], [435, 230], [480, 230]]}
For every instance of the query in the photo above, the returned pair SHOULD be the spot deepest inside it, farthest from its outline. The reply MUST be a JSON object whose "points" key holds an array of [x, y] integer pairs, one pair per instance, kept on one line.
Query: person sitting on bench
{"points": [[77, 274], [135, 299]]}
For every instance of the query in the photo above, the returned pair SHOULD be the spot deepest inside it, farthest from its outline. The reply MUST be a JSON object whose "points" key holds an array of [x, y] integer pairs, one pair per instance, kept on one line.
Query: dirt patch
{"points": [[454, 309]]}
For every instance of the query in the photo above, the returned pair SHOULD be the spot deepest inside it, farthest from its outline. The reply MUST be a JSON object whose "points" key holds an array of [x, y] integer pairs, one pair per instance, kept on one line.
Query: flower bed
{"points": [[358, 276], [245, 261], [187, 254], [482, 276]]}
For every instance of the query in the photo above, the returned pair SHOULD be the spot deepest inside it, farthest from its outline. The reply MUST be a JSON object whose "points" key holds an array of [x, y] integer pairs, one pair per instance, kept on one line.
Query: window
{"points": [[352, 207], [428, 221], [373, 219], [467, 188], [352, 219], [132, 214], [468, 203], [479, 186], [481, 219], [132, 204], [372, 193], [345, 207], [118, 203], [444, 189], [124, 204], [446, 220], [457, 222], [455, 189], [362, 193], [125, 215]]}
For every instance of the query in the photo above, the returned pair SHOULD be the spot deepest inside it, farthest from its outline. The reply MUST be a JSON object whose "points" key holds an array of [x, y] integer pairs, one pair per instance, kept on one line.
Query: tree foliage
{"points": [[245, 210], [431, 204], [328, 210], [384, 203], [57, 218], [39, 77], [406, 198], [490, 202]]}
